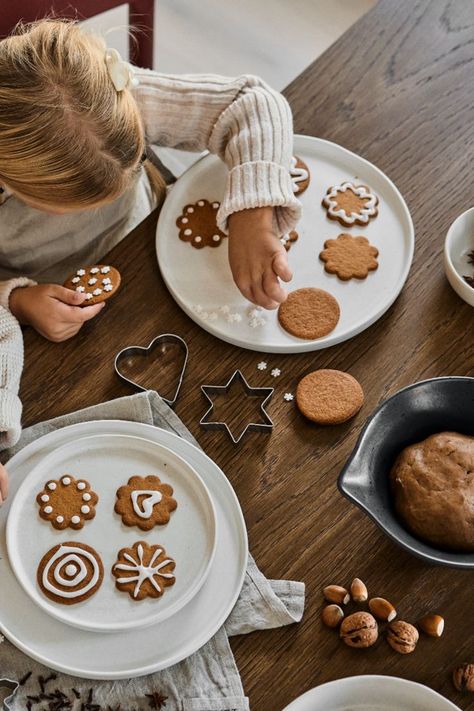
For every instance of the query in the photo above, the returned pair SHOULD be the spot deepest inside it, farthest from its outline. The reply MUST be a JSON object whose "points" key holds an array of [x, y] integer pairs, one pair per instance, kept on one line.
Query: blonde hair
{"points": [[67, 138]]}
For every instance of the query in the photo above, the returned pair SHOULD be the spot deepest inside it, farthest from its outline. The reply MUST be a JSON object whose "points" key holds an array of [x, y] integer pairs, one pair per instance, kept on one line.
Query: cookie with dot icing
{"points": [[143, 570], [197, 224], [67, 502], [145, 501], [299, 174], [99, 282], [350, 204], [70, 572]]}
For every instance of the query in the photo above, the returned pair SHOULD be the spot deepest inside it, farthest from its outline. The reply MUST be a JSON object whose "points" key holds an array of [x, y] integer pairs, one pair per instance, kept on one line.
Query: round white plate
{"points": [[107, 462], [371, 693], [202, 277], [135, 652]]}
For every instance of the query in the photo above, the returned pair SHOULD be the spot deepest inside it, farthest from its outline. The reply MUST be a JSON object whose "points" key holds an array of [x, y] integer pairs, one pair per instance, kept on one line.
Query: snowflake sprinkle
{"points": [[262, 365], [276, 372], [288, 397]]}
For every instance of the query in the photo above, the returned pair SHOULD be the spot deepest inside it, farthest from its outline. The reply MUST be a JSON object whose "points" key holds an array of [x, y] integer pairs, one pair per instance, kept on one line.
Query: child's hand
{"points": [[3, 484], [52, 310], [257, 258]]}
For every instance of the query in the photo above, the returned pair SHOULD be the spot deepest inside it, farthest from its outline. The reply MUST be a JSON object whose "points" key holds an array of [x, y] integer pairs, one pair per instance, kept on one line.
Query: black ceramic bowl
{"points": [[409, 416]]}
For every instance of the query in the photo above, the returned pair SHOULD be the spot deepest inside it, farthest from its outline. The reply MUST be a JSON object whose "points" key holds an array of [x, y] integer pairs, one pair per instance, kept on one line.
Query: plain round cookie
{"points": [[432, 485], [329, 397], [309, 313], [66, 563], [99, 282]]}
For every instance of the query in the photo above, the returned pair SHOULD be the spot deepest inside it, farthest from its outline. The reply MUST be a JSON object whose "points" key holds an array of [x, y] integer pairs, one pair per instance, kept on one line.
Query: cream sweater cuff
{"points": [[260, 184], [6, 288], [10, 419]]}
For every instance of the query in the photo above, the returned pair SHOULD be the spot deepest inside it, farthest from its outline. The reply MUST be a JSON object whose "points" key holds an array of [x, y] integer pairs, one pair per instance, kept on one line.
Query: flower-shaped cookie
{"points": [[143, 570], [197, 224], [67, 502], [145, 502], [350, 204], [287, 240], [349, 257]]}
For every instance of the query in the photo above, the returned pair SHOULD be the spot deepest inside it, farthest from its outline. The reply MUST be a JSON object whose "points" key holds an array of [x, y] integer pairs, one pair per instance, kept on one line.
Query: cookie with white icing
{"points": [[198, 224], [70, 572], [145, 501], [143, 570], [289, 239], [350, 204], [67, 502], [299, 174], [98, 282]]}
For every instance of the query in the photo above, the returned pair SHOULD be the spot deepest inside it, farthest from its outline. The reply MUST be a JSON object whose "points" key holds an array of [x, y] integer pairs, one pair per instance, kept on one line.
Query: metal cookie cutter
{"points": [[163, 339], [266, 393]]}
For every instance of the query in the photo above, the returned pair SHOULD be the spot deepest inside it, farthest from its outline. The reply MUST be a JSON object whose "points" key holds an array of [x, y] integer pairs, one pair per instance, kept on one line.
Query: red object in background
{"points": [[141, 18]]}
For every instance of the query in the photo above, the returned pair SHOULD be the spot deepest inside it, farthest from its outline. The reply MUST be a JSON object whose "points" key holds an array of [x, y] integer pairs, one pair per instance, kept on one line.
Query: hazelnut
{"points": [[432, 625], [332, 615], [358, 590], [463, 677], [359, 630], [337, 594], [402, 636], [382, 609]]}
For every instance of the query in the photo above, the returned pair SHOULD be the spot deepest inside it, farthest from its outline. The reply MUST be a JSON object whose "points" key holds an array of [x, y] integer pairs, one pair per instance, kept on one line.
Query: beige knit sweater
{"points": [[242, 120]]}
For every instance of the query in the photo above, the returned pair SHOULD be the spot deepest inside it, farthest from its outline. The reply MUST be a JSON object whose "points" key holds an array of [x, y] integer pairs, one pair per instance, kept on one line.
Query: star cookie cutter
{"points": [[209, 390], [163, 339]]}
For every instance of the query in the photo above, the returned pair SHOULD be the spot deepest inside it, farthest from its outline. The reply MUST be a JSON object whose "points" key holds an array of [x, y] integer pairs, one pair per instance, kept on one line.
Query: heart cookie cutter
{"points": [[163, 339], [266, 393]]}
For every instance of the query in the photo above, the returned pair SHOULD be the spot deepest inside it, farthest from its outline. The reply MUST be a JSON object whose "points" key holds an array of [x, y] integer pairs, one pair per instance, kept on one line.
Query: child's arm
{"points": [[11, 364], [3, 484], [249, 126]]}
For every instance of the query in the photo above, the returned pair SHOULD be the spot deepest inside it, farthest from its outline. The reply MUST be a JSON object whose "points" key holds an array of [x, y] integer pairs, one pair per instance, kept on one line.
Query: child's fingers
{"points": [[261, 298], [67, 296], [272, 288], [281, 267], [88, 312], [3, 484]]}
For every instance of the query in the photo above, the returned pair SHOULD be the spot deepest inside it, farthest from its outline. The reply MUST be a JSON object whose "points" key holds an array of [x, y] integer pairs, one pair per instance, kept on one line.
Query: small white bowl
{"points": [[459, 241]]}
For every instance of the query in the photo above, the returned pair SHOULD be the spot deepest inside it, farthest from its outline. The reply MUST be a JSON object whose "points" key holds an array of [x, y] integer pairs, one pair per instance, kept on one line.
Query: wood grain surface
{"points": [[397, 89]]}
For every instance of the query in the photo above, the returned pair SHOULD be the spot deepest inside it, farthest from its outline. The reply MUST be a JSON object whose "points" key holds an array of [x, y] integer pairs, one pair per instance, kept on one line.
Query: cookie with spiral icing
{"points": [[70, 572]]}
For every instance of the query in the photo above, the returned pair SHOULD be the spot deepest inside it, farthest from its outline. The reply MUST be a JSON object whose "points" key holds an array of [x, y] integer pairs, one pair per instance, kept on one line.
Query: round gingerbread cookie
{"points": [[309, 313], [329, 397], [98, 283], [70, 572], [349, 257], [67, 502], [197, 224], [145, 501], [299, 173], [143, 570], [350, 204]]}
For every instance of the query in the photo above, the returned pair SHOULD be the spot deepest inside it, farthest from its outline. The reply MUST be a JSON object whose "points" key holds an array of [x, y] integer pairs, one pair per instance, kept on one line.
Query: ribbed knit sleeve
{"points": [[11, 365], [245, 122], [6, 288]]}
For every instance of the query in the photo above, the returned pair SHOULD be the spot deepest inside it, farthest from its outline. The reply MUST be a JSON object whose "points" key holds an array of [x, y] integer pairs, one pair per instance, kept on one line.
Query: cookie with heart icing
{"points": [[145, 501], [143, 570], [299, 174], [67, 502], [70, 572], [198, 224], [350, 204], [98, 282]]}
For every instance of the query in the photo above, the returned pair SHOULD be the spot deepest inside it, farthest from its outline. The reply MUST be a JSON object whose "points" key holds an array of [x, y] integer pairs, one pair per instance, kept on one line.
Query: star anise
{"points": [[470, 256], [469, 280], [156, 700]]}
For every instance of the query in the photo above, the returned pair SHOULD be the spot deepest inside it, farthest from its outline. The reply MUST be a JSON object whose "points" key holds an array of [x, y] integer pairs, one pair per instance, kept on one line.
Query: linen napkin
{"points": [[208, 680]]}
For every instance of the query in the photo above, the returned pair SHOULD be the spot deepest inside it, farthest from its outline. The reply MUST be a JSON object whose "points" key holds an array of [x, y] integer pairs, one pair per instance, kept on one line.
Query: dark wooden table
{"points": [[398, 89]]}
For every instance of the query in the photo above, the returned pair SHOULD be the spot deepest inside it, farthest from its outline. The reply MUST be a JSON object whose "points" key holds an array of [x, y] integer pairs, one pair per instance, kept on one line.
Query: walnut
{"points": [[463, 677], [359, 630], [402, 636]]}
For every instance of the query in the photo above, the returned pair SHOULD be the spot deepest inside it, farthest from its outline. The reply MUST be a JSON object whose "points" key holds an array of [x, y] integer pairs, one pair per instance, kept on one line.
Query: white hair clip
{"points": [[120, 72]]}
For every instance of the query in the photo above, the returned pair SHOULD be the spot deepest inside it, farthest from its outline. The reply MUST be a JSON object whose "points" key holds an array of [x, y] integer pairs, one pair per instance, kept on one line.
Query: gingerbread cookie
{"points": [[70, 572], [350, 204], [197, 224], [299, 174], [143, 571], [67, 502], [145, 502], [349, 257], [329, 397], [98, 282], [289, 239], [309, 313]]}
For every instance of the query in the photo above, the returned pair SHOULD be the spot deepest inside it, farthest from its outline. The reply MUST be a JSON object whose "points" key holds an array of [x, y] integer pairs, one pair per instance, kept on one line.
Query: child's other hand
{"points": [[3, 484], [257, 258], [54, 311]]}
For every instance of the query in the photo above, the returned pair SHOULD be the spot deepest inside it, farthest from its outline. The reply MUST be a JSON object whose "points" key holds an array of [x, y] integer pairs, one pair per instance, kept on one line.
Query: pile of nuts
{"points": [[360, 630]]}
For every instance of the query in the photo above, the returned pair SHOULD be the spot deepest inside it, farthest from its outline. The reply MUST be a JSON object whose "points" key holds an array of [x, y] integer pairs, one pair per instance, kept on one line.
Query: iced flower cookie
{"points": [[98, 283], [289, 239], [145, 501], [70, 572], [67, 502], [349, 257], [350, 204], [197, 224], [143, 571], [299, 174]]}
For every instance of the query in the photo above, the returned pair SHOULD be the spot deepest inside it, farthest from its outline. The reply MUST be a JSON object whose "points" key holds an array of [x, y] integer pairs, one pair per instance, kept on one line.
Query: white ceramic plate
{"points": [[131, 653], [202, 277], [107, 462], [371, 693]]}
